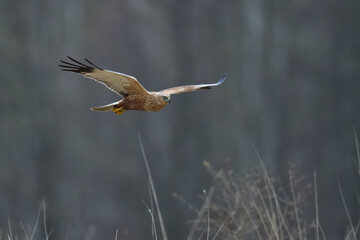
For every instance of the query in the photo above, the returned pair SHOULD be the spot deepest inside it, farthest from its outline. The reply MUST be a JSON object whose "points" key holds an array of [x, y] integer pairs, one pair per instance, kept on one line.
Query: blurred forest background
{"points": [[293, 93]]}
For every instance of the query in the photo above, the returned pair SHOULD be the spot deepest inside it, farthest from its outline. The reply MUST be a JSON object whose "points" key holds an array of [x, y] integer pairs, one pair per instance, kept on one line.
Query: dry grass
{"points": [[257, 206], [28, 234], [153, 198], [252, 206]]}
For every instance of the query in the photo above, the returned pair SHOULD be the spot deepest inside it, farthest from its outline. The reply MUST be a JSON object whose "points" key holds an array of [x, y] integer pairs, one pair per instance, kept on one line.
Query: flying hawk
{"points": [[135, 96]]}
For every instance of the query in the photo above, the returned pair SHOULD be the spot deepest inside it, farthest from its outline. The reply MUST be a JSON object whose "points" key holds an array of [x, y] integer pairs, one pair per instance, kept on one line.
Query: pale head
{"points": [[161, 98], [166, 98]]}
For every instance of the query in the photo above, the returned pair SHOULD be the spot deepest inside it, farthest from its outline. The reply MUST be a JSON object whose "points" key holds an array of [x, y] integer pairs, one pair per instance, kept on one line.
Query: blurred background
{"points": [[292, 93]]}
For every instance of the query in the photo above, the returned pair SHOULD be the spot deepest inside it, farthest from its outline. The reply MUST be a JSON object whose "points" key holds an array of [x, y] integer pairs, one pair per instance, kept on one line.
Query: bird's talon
{"points": [[117, 109], [120, 112]]}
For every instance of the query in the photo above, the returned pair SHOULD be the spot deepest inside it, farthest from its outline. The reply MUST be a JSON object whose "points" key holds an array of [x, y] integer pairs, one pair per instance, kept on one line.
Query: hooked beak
{"points": [[168, 100]]}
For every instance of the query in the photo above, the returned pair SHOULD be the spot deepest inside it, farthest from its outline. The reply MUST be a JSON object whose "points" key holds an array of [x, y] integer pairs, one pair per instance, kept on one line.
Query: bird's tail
{"points": [[105, 108]]}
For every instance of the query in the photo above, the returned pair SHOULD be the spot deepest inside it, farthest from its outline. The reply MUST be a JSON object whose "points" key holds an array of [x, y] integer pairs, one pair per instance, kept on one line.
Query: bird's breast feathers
{"points": [[140, 102], [153, 104]]}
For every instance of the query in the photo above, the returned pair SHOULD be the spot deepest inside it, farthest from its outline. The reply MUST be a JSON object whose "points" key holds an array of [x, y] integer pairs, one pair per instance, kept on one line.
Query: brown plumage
{"points": [[135, 96]]}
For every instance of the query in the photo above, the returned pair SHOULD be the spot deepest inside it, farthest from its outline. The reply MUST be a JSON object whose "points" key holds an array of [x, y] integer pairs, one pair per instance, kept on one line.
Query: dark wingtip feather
{"points": [[77, 66], [66, 66], [222, 79], [67, 63], [92, 64], [77, 62]]}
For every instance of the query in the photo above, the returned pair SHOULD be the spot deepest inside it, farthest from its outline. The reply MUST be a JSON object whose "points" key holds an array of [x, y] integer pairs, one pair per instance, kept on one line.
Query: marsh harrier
{"points": [[135, 96]]}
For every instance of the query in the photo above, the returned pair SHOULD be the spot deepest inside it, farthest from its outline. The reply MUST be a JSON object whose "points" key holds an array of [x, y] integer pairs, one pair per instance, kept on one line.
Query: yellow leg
{"points": [[119, 111]]}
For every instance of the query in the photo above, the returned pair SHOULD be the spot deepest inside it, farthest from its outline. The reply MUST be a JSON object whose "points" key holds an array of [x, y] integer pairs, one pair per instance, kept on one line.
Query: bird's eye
{"points": [[166, 98]]}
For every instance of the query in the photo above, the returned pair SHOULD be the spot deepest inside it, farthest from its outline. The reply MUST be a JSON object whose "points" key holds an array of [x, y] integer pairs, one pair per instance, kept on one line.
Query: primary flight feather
{"points": [[135, 96]]}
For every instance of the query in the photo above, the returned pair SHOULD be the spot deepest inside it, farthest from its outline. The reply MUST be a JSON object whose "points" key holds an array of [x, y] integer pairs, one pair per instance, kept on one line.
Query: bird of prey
{"points": [[135, 96]]}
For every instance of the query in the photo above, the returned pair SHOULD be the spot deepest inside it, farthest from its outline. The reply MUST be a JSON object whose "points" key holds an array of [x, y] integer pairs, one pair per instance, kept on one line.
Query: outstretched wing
{"points": [[190, 88], [122, 84]]}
